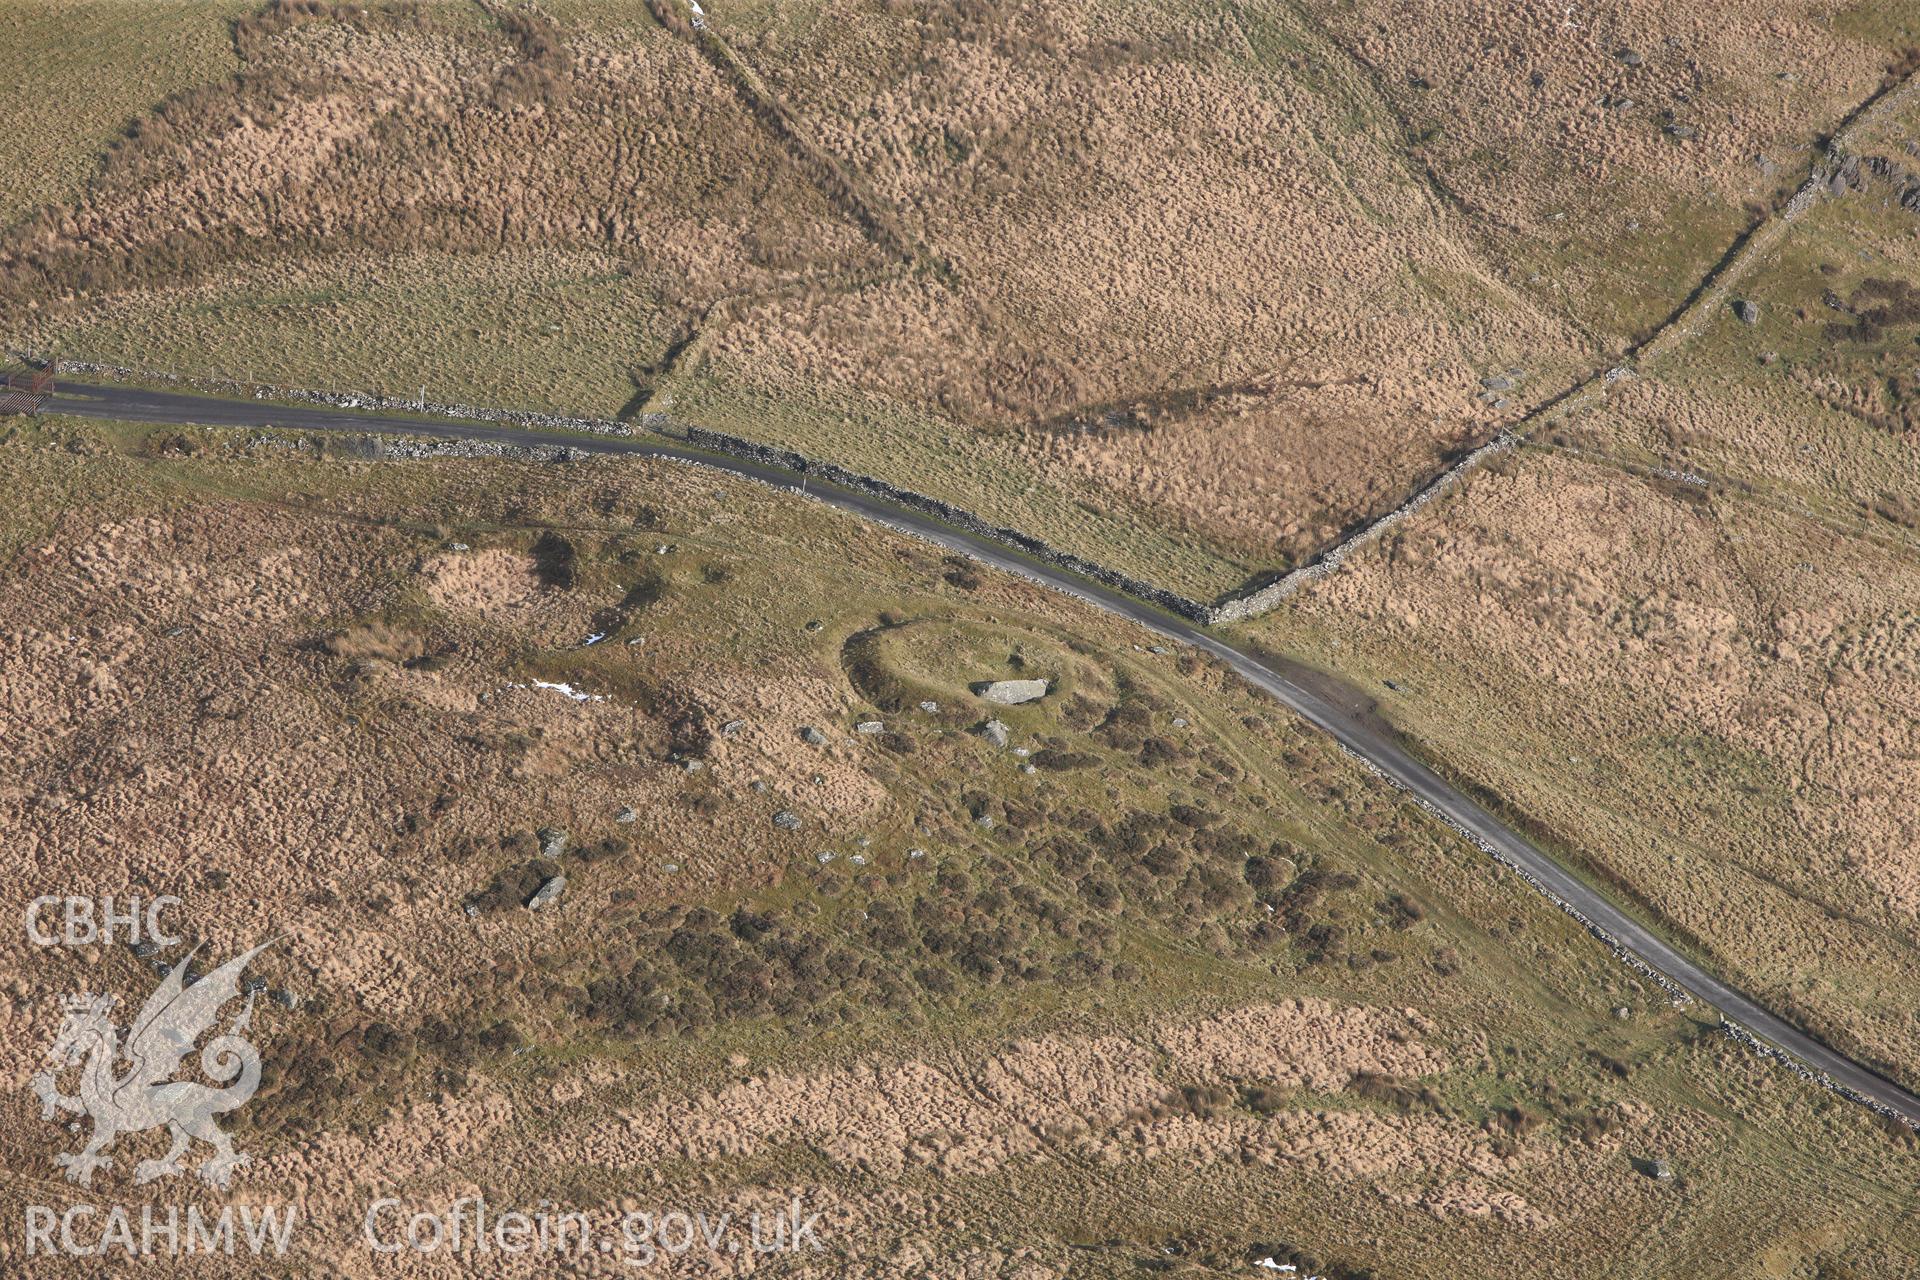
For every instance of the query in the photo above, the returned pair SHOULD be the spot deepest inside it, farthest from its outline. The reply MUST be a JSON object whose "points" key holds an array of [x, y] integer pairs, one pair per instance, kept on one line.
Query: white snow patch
{"points": [[578, 695]]}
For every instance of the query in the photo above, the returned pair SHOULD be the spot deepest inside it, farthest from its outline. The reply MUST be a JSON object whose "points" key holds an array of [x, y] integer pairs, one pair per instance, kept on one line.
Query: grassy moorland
{"points": [[1178, 981], [1679, 634]]}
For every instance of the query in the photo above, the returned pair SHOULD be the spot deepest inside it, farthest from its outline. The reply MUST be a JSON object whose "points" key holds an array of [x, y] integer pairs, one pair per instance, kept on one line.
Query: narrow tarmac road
{"points": [[1318, 699]]}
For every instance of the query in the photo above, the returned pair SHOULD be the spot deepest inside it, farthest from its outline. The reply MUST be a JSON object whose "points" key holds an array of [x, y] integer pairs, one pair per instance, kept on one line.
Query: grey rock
{"points": [[1497, 382], [1160, 649], [858, 860], [1621, 1013], [732, 727], [1028, 768], [1659, 1170], [553, 841], [1684, 132], [815, 625], [995, 733], [916, 854], [787, 820], [284, 998], [929, 707], [692, 766], [812, 736], [1748, 311], [1179, 722], [1022, 752], [870, 727], [758, 787], [1011, 693], [985, 820], [145, 947], [1630, 57], [626, 815], [547, 893], [824, 856]]}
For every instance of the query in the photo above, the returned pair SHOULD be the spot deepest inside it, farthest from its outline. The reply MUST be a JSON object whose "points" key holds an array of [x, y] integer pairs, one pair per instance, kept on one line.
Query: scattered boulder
{"points": [[787, 820], [547, 893], [1630, 57], [1682, 132], [1497, 382], [732, 727], [929, 707], [1658, 1170], [553, 841], [870, 727], [1621, 1013], [1748, 311], [995, 733], [812, 736], [1011, 693], [626, 815]]}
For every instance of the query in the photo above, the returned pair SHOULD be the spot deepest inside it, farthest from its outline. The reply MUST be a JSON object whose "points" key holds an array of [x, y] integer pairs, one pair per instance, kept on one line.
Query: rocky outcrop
{"points": [[1011, 693], [547, 893]]}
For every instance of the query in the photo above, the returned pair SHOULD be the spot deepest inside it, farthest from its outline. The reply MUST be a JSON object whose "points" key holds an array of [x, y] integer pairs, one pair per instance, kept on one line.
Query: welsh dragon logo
{"points": [[130, 1088]]}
